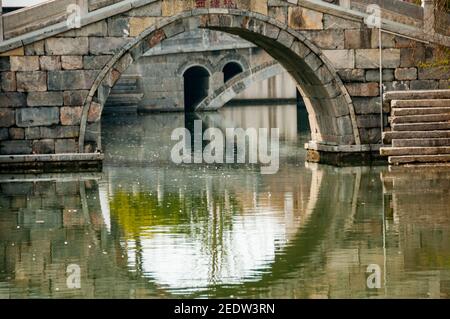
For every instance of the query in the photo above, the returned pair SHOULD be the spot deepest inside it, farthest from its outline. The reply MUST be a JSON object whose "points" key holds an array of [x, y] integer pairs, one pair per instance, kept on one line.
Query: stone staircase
{"points": [[125, 95], [420, 127]]}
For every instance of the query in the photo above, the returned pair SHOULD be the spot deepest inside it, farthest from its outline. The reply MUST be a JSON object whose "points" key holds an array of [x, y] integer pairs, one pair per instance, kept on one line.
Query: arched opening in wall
{"points": [[230, 70], [196, 87]]}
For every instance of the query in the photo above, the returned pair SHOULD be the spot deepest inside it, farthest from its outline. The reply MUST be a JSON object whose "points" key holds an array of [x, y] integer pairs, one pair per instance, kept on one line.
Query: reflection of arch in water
{"points": [[196, 86]]}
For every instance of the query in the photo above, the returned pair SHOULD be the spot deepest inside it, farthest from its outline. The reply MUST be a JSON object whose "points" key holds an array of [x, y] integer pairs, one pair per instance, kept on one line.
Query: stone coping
{"points": [[416, 94], [127, 5], [342, 148], [38, 158]]}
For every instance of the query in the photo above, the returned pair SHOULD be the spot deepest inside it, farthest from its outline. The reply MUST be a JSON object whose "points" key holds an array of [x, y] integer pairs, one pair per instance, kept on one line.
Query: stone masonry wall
{"points": [[44, 84]]}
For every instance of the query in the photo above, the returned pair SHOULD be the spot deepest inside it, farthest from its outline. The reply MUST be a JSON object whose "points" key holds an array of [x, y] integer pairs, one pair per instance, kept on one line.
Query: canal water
{"points": [[148, 228]]}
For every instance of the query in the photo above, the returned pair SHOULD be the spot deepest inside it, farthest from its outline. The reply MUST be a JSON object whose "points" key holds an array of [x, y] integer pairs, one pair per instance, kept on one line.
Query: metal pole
{"points": [[1, 21], [381, 83]]}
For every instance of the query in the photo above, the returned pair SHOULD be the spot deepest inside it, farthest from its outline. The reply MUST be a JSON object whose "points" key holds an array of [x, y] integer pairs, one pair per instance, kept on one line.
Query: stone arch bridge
{"points": [[57, 70]]}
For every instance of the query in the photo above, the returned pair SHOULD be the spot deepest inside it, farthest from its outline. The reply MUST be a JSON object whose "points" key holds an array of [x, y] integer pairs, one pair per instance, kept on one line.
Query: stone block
{"points": [[71, 115], [352, 75], [36, 48], [374, 75], [4, 135], [24, 63], [363, 89], [91, 62], [326, 39], [37, 116], [424, 85], [5, 64], [304, 19], [16, 133], [8, 81], [71, 80], [97, 29], [341, 59], [406, 74], [32, 133], [118, 26], [387, 40], [75, 98], [370, 58], [410, 57], [45, 99], [333, 22], [72, 62], [94, 112], [368, 121], [7, 117], [396, 86], [45, 146], [434, 73], [13, 99], [357, 39], [50, 63], [58, 131], [15, 147], [367, 105], [67, 46], [106, 46], [31, 81], [66, 146]]}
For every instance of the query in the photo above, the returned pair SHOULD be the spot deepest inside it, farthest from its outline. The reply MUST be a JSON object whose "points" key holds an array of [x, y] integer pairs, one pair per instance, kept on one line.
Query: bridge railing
{"points": [[26, 20]]}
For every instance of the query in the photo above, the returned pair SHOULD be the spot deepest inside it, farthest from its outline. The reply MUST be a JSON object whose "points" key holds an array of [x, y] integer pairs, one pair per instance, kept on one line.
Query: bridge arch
{"points": [[330, 108], [196, 86]]}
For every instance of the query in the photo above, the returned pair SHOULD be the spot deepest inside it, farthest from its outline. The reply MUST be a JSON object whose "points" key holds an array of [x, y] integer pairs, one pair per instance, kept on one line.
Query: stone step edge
{"points": [[416, 95], [425, 150], [67, 157], [408, 159], [428, 103]]}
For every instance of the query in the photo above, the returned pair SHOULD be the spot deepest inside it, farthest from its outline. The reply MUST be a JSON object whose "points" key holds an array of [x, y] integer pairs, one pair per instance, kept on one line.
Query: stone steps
{"points": [[426, 126], [420, 127], [429, 103], [400, 151], [420, 118], [409, 159], [125, 96], [388, 137], [421, 142], [419, 111]]}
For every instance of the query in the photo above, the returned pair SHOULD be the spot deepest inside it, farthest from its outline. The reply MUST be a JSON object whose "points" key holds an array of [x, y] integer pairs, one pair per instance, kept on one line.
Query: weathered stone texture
{"points": [[73, 98], [71, 80], [406, 73], [66, 146], [15, 147], [363, 89], [305, 19], [24, 63], [71, 115], [45, 146], [37, 116], [50, 63], [31, 81], [45, 99], [72, 62], [7, 118], [67, 46], [8, 81]]}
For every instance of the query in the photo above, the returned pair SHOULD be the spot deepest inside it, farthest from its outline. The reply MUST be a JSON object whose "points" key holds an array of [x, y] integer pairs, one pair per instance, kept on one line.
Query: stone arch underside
{"points": [[330, 108]]}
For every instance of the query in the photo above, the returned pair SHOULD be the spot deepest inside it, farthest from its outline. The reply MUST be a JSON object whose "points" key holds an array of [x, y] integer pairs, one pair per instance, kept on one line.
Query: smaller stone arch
{"points": [[195, 62], [231, 69], [233, 56], [196, 86]]}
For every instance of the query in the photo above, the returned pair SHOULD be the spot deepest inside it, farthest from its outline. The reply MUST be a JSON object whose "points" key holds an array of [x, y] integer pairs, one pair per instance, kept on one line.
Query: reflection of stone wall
{"points": [[44, 227]]}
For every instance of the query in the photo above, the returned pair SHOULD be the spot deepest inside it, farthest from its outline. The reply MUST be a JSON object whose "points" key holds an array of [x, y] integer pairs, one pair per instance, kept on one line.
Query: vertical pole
{"points": [[428, 17], [1, 21], [380, 45]]}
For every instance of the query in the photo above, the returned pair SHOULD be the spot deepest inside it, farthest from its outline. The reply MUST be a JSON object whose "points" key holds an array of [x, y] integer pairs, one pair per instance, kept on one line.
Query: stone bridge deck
{"points": [[55, 78]]}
